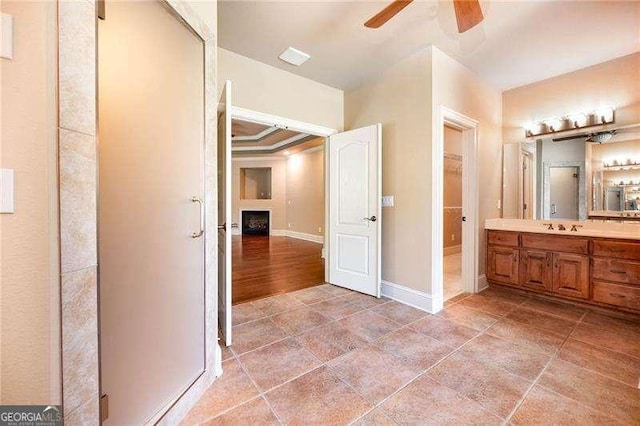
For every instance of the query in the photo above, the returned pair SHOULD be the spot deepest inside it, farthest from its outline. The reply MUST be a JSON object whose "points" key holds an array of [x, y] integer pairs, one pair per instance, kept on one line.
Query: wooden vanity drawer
{"points": [[616, 249], [616, 294], [616, 270], [503, 238], [558, 243]]}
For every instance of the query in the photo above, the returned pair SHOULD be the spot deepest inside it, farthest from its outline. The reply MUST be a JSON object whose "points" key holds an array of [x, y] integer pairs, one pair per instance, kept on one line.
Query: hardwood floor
{"points": [[265, 266]]}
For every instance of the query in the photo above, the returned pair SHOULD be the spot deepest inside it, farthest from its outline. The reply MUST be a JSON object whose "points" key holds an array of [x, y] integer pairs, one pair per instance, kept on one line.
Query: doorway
{"points": [[452, 211], [467, 128], [278, 210], [563, 193]]}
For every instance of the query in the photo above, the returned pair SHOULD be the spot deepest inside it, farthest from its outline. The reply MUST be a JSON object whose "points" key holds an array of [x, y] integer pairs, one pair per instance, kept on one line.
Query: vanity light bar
{"points": [[581, 120]]}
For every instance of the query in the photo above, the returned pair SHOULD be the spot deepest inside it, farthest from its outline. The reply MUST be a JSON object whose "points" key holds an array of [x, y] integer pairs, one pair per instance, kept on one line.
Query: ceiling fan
{"points": [[468, 14]]}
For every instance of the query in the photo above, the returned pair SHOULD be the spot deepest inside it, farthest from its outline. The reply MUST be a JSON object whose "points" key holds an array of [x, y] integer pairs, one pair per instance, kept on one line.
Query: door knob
{"points": [[371, 219], [223, 226]]}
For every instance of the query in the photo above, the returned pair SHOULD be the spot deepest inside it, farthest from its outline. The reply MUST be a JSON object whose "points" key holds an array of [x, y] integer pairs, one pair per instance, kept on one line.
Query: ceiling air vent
{"points": [[294, 56]]}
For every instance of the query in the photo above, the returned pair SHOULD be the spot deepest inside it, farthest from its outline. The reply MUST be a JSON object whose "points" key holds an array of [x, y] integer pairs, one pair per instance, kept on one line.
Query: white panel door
{"points": [[224, 213], [354, 171]]}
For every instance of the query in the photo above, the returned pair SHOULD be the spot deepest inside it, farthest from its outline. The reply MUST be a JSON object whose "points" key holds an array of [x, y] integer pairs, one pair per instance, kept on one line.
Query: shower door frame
{"points": [[77, 186]]}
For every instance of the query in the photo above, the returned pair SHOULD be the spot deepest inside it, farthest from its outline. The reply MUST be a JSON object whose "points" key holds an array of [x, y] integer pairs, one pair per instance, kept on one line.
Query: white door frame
{"points": [[469, 129]]}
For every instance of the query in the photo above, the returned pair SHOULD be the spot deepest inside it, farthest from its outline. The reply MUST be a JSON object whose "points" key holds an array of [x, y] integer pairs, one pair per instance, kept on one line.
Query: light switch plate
{"points": [[7, 191], [6, 36], [387, 201]]}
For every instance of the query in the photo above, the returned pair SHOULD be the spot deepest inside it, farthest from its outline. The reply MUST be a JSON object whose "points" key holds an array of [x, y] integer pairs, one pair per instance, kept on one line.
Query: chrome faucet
{"points": [[561, 227], [550, 226], [574, 228]]}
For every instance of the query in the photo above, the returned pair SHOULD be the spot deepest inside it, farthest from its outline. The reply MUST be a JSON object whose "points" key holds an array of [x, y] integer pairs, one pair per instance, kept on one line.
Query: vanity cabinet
{"points": [[599, 271], [502, 257]]}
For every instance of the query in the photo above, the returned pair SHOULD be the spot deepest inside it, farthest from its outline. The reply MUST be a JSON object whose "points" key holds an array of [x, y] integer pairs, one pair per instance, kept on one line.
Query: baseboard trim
{"points": [[278, 232], [483, 284], [307, 237], [447, 251], [408, 296]]}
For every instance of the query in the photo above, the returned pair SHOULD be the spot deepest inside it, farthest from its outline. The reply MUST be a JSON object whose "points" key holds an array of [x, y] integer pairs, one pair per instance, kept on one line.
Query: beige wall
{"points": [[29, 304], [404, 99], [615, 83], [399, 99], [305, 192], [277, 203], [263, 88], [456, 87]]}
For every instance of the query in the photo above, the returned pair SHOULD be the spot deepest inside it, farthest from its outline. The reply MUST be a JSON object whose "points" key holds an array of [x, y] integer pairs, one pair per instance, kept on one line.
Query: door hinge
{"points": [[104, 407]]}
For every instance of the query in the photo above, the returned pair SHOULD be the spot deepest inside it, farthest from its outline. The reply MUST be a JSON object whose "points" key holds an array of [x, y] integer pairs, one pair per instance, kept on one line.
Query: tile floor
{"points": [[325, 355], [452, 275]]}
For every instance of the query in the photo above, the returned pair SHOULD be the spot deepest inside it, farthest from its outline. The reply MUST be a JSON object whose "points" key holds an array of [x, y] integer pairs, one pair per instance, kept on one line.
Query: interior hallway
{"points": [[327, 355], [266, 266]]}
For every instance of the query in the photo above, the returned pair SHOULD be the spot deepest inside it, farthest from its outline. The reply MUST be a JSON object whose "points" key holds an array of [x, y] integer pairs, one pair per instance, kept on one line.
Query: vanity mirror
{"points": [[574, 177]]}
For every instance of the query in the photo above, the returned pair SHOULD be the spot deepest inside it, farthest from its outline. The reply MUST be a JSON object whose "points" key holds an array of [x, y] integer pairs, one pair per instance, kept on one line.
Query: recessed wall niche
{"points": [[255, 183]]}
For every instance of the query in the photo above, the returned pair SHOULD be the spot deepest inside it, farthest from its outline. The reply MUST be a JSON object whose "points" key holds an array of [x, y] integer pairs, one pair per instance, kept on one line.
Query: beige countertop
{"points": [[629, 231]]}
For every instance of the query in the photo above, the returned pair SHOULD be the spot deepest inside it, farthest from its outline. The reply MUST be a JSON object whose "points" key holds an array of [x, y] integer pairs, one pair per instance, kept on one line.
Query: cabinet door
{"points": [[502, 265], [535, 270], [571, 275]]}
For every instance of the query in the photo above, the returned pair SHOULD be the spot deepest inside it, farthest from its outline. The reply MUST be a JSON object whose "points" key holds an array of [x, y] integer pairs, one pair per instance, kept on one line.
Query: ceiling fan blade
{"points": [[387, 13], [468, 14]]}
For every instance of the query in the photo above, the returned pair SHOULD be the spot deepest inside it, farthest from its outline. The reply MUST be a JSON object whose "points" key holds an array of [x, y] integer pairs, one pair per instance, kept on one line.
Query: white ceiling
{"points": [[518, 43]]}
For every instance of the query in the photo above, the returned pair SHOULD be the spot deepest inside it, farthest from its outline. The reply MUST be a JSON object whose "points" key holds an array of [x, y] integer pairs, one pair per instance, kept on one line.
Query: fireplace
{"points": [[255, 222]]}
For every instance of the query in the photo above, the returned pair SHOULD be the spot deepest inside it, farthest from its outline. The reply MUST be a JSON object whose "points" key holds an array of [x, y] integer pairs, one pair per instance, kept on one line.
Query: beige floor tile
{"points": [[490, 305], [447, 332], [300, 320], [542, 407], [611, 398], [256, 412], [335, 290], [619, 325], [330, 341], [375, 418], [537, 338], [618, 366], [494, 388], [278, 304], [417, 347], [399, 312], [426, 402], [365, 301], [559, 309], [318, 397], [391, 372], [312, 295], [252, 335], [368, 325], [245, 312], [455, 299], [505, 295], [542, 320], [278, 362], [336, 308], [518, 359], [472, 318], [617, 340], [232, 388]]}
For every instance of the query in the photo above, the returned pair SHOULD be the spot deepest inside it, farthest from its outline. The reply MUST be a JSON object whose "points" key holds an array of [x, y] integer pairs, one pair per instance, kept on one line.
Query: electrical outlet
{"points": [[289, 225], [319, 229], [499, 204], [453, 237]]}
